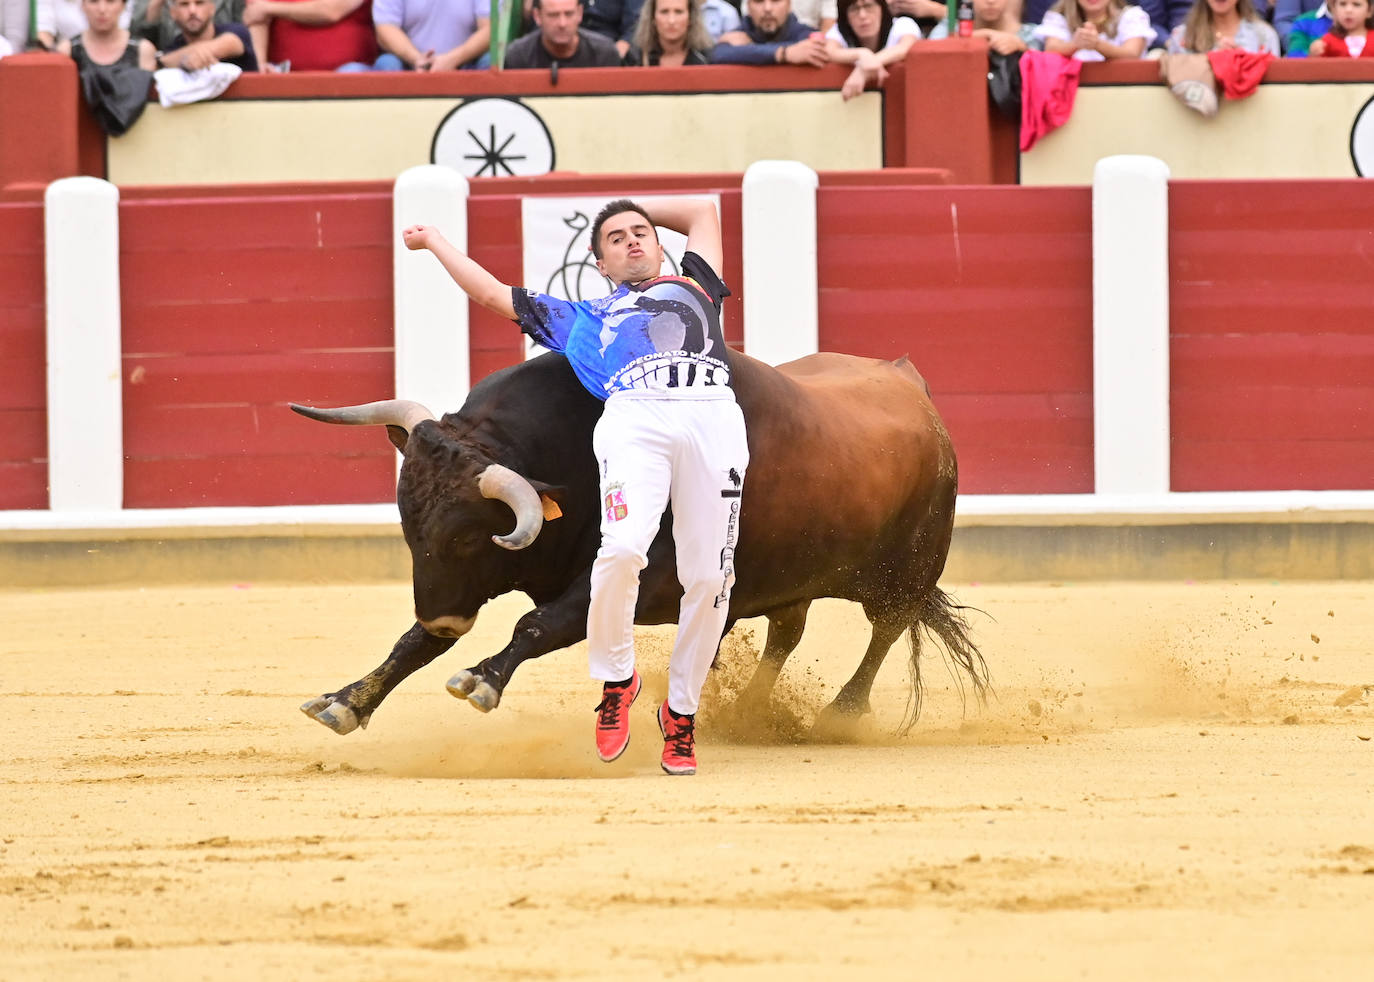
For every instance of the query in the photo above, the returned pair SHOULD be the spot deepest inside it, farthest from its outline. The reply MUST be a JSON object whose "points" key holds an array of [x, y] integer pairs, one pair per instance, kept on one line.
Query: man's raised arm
{"points": [[695, 218], [474, 279]]}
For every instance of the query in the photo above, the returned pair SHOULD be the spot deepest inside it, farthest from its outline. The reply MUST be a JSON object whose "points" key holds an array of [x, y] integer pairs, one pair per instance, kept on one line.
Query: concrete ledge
{"points": [[981, 552], [1223, 550]]}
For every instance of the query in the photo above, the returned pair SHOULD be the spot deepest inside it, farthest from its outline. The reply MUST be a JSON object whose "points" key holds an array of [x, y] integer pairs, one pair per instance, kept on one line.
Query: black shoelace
{"points": [[682, 742], [609, 708]]}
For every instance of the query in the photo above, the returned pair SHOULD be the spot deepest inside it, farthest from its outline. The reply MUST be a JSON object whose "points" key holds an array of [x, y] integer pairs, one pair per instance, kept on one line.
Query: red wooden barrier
{"points": [[234, 305], [1272, 335], [989, 290], [23, 372]]}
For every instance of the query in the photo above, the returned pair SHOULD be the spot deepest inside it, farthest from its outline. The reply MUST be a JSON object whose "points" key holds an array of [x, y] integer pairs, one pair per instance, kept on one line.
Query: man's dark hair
{"points": [[534, 5], [616, 207]]}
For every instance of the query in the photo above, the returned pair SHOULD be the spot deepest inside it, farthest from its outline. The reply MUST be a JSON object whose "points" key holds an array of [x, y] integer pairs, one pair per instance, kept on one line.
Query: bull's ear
{"points": [[398, 437], [551, 498]]}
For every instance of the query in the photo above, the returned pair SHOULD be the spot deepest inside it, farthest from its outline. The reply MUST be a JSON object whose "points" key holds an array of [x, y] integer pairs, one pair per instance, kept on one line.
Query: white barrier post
{"points": [[85, 397], [778, 219], [432, 354], [1131, 325]]}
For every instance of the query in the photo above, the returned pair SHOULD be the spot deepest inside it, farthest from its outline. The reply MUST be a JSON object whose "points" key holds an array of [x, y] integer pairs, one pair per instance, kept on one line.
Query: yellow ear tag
{"points": [[551, 509]]}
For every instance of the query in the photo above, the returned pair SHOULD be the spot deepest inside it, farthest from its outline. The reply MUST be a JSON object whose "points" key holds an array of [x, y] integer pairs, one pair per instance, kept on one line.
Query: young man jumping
{"points": [[671, 432]]}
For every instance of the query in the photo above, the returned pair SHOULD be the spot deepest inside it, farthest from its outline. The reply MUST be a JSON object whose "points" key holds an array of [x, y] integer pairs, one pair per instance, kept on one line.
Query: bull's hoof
{"points": [[462, 684], [484, 697], [840, 724], [335, 715]]}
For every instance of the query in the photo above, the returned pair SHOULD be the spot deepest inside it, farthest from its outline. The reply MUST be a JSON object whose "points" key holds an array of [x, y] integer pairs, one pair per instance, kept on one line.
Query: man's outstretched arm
{"points": [[474, 279], [695, 218]]}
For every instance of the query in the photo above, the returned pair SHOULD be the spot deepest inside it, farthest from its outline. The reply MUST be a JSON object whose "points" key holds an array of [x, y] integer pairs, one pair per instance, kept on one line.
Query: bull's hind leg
{"points": [[785, 628], [353, 705], [840, 719]]}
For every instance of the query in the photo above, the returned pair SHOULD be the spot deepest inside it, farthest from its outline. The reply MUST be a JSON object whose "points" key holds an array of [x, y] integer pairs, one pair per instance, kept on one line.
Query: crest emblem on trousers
{"points": [[616, 509]]}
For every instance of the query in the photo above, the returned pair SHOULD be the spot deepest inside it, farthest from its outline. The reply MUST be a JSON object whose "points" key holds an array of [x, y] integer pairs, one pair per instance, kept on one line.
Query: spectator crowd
{"points": [[133, 36]]}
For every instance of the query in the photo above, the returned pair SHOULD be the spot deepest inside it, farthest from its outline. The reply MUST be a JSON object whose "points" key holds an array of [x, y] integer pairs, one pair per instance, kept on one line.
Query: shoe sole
{"points": [[678, 772], [619, 753]]}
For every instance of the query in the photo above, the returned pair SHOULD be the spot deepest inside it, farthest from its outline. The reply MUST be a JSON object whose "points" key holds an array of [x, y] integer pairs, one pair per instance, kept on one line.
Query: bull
{"points": [[851, 494]]}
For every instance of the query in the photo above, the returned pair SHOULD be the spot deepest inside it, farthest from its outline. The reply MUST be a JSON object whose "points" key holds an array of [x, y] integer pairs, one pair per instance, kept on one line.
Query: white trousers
{"points": [[687, 448]]}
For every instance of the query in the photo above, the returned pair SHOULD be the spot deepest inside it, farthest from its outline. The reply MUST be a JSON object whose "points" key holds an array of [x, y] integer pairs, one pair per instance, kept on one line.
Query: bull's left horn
{"points": [[390, 412], [503, 484]]}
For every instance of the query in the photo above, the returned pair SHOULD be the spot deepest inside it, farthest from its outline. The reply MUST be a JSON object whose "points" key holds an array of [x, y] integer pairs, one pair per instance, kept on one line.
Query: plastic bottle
{"points": [[965, 16]]}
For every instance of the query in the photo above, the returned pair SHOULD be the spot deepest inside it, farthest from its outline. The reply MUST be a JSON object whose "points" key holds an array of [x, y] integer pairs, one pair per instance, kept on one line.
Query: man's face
{"points": [[192, 15], [559, 20], [102, 15], [630, 250], [768, 15]]}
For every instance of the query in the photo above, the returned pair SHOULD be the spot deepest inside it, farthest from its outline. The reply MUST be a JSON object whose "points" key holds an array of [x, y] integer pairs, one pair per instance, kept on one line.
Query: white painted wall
{"points": [[781, 297]]}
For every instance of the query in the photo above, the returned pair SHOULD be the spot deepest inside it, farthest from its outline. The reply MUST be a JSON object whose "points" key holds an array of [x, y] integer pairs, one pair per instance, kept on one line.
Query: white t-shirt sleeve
{"points": [[830, 9], [902, 27], [834, 35], [1134, 23], [1055, 26]]}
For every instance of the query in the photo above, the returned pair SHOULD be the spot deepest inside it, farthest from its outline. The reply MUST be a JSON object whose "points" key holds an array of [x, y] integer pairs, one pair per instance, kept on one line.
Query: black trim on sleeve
{"points": [[707, 278]]}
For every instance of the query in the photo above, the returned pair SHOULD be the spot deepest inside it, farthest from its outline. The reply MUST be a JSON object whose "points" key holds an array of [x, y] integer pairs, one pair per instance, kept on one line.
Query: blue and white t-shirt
{"points": [[663, 333]]}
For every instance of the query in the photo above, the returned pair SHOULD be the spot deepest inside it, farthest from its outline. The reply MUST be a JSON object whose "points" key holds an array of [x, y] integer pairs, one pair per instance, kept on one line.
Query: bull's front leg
{"points": [[549, 627], [353, 705]]}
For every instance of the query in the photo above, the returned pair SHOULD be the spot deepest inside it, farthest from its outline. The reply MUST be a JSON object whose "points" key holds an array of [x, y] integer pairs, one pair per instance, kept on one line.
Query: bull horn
{"points": [[391, 412], [503, 484]]}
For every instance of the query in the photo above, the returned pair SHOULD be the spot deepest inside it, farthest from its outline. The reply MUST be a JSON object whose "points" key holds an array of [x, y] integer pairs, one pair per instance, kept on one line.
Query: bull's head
{"points": [[495, 481], [444, 482]]}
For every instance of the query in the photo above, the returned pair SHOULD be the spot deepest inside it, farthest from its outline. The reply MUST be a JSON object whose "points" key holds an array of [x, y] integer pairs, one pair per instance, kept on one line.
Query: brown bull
{"points": [[851, 494]]}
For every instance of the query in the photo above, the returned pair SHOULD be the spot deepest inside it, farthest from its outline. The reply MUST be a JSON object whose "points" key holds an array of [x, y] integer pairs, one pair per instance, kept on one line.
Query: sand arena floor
{"points": [[1174, 781]]}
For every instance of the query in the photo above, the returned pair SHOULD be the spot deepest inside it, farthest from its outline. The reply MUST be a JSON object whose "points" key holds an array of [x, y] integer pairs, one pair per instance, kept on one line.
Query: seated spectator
{"points": [[311, 35], [62, 20], [1095, 30], [771, 35], [614, 19], [719, 18], [1223, 24], [1164, 15], [559, 38], [998, 22], [1304, 29], [428, 35], [868, 37], [203, 42], [1286, 13], [819, 15], [115, 68], [931, 15], [1351, 22], [670, 32], [152, 19]]}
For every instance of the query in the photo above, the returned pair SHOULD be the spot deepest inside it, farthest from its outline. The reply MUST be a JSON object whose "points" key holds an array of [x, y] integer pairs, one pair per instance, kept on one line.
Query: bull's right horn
{"points": [[504, 484], [391, 412]]}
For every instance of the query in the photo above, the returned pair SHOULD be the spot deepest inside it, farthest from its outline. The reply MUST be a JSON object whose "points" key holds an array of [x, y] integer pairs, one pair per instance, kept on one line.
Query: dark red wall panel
{"points": [[234, 305], [989, 291], [23, 371], [1272, 335]]}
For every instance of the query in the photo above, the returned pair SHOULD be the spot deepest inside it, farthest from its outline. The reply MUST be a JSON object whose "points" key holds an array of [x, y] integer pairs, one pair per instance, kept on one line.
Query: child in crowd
{"points": [[867, 36], [998, 22], [1351, 21], [1305, 29], [1095, 30], [1223, 24], [104, 42], [669, 33]]}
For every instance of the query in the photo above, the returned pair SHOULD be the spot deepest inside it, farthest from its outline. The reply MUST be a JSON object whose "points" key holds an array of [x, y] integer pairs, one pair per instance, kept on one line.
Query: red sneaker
{"points": [[613, 718], [679, 741]]}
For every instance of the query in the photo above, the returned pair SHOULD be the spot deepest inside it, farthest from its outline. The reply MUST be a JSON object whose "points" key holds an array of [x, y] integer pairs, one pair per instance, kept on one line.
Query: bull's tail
{"points": [[944, 621]]}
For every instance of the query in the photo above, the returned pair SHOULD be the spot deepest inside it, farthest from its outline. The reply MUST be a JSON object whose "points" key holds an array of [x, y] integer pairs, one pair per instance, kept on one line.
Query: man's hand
{"points": [[255, 13], [425, 62], [419, 237], [622, 48], [1004, 42], [197, 56], [809, 52]]}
